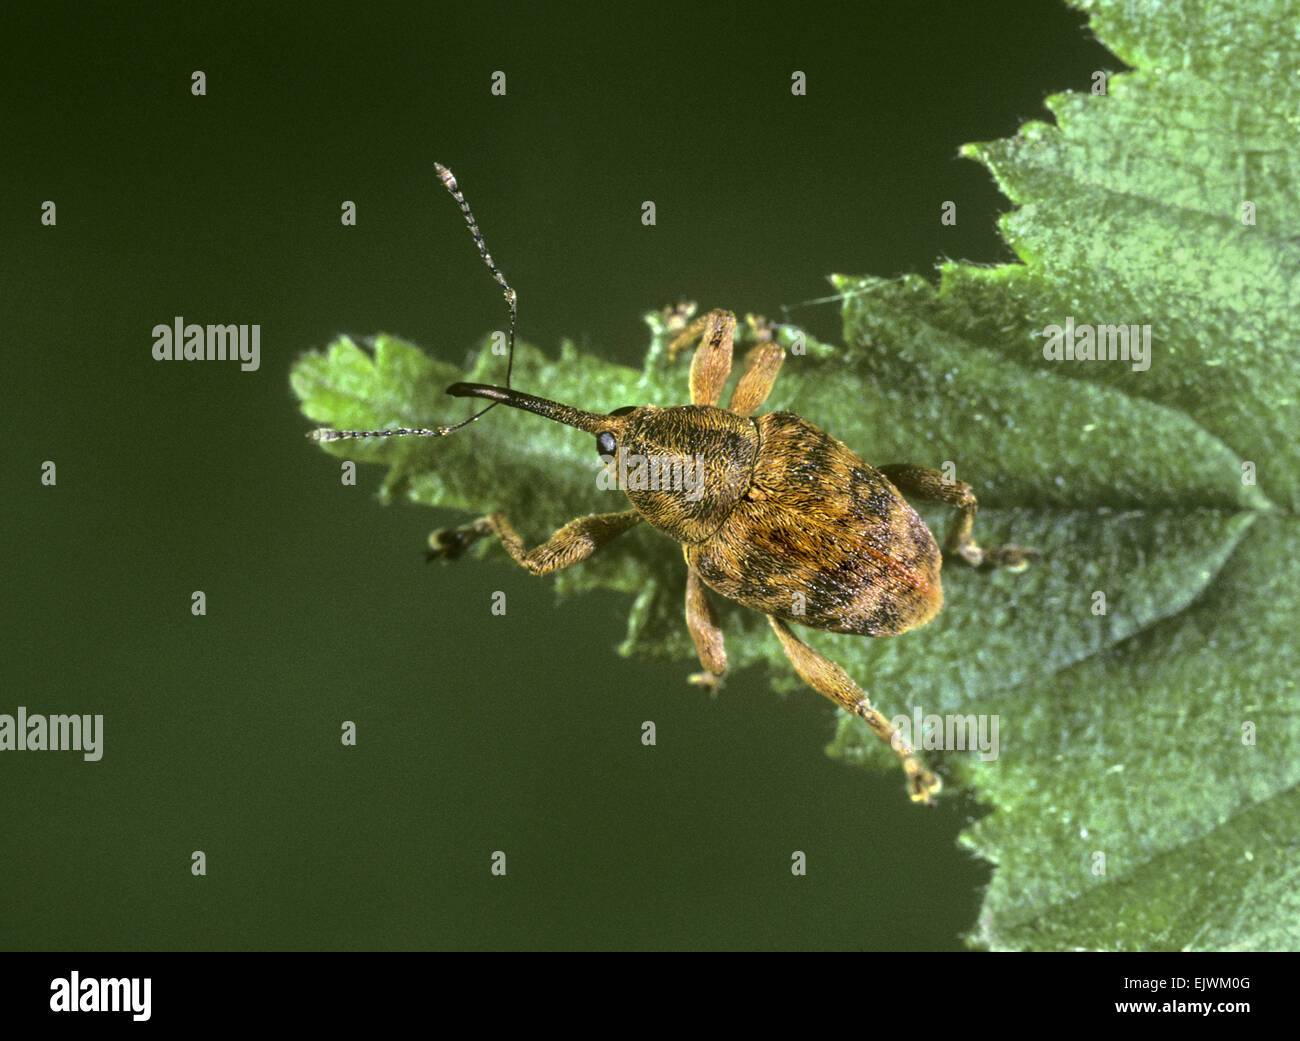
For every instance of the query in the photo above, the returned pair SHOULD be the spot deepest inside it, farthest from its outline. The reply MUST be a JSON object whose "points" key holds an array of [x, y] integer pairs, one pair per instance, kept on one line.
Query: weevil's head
{"points": [[683, 468]]}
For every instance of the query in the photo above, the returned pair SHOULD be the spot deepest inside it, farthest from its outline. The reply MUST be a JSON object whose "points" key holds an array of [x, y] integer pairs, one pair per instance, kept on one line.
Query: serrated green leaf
{"points": [[1138, 802], [1156, 808]]}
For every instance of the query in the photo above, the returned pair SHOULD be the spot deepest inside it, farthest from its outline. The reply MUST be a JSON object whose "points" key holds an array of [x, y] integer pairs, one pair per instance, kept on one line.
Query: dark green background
{"points": [[476, 733]]}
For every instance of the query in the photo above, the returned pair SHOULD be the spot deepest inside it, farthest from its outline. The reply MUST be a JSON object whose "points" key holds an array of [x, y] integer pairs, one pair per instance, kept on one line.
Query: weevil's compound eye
{"points": [[623, 411], [605, 443]]}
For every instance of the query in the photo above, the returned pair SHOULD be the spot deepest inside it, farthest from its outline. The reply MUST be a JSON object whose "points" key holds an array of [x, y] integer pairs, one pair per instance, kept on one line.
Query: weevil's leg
{"points": [[706, 633], [921, 482], [576, 541], [827, 678], [682, 321], [675, 317], [762, 364], [762, 330], [712, 362], [446, 544]]}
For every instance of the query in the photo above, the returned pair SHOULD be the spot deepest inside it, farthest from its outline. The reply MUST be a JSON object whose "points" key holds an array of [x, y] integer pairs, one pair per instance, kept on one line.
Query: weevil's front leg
{"points": [[762, 364], [711, 364], [706, 633], [827, 678], [576, 541], [675, 318], [921, 482], [761, 367]]}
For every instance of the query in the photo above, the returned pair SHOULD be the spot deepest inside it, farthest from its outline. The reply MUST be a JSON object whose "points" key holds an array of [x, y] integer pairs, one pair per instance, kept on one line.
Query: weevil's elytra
{"points": [[778, 515], [829, 526]]}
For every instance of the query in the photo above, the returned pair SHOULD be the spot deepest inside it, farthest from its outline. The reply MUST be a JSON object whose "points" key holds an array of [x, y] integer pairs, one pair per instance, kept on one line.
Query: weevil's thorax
{"points": [[685, 468]]}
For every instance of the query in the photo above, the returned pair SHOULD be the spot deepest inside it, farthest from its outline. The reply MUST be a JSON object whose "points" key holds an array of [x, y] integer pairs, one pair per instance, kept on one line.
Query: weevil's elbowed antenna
{"points": [[448, 180]]}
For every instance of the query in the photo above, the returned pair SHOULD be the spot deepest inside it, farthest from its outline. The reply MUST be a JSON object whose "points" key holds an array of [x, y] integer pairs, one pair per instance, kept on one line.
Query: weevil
{"points": [[776, 515]]}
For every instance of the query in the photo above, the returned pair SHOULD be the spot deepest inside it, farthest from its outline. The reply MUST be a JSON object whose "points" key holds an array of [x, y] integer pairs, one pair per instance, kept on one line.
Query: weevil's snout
{"points": [[591, 422]]}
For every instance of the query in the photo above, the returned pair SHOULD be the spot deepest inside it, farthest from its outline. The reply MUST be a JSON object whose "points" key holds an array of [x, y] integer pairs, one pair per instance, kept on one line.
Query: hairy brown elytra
{"points": [[771, 511]]}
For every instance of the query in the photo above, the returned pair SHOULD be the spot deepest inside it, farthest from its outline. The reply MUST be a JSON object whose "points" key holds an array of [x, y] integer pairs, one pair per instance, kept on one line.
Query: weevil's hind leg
{"points": [[921, 482], [712, 362], [706, 633], [576, 541], [827, 678], [762, 364]]}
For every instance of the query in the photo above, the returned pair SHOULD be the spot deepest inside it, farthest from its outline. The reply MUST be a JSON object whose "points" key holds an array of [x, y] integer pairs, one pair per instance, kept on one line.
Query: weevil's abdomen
{"points": [[821, 539]]}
